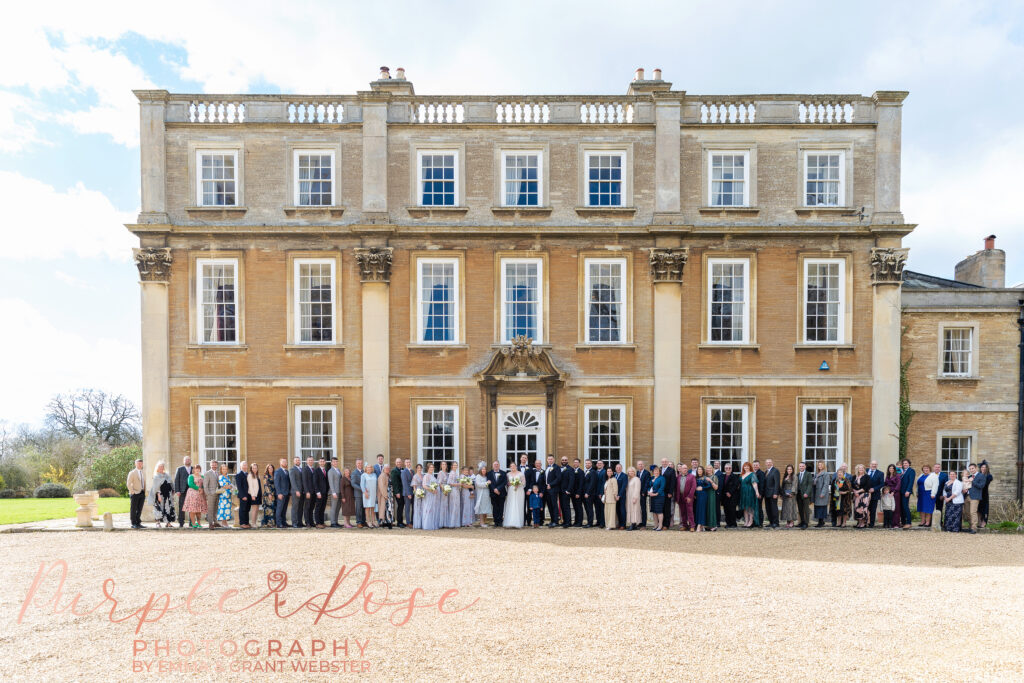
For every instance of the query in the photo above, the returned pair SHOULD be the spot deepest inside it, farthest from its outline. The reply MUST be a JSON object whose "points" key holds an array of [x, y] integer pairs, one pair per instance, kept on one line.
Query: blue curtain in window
{"points": [[437, 321]]}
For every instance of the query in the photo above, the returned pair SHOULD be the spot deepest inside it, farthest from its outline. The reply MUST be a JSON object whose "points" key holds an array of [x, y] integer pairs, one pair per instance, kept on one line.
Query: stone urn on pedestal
{"points": [[84, 511]]}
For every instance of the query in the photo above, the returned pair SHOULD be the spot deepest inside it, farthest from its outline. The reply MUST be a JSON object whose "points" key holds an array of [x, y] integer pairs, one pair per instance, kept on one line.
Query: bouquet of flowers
{"points": [[432, 486], [447, 489], [465, 481], [515, 482], [420, 493]]}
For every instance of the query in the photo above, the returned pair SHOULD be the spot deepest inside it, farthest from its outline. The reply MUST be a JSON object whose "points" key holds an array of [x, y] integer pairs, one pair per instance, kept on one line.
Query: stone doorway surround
{"points": [[520, 373]]}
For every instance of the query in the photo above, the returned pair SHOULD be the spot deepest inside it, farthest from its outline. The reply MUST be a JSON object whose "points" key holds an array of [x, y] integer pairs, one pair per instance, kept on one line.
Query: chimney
{"points": [[400, 73], [657, 74], [985, 268], [384, 74], [396, 85], [639, 75]]}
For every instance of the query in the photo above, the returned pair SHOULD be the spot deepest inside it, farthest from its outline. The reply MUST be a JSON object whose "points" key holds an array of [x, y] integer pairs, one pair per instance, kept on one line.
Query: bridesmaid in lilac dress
{"points": [[417, 502], [468, 498], [442, 500], [454, 498], [430, 500]]}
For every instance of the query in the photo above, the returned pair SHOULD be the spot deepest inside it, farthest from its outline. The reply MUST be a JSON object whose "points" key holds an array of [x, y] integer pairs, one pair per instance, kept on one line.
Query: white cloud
{"points": [[17, 125], [72, 281], [39, 359], [42, 223]]}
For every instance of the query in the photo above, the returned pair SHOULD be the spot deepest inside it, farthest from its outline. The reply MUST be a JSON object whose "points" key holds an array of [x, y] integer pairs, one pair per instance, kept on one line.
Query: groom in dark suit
{"points": [[565, 493], [552, 479], [497, 486], [622, 479], [589, 492]]}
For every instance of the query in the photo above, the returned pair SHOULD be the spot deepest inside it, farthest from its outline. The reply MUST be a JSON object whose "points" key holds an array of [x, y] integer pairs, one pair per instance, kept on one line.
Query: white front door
{"points": [[520, 432]]}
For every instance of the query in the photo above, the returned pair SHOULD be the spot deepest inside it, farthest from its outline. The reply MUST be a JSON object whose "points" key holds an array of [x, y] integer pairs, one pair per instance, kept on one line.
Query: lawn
{"points": [[17, 510]]}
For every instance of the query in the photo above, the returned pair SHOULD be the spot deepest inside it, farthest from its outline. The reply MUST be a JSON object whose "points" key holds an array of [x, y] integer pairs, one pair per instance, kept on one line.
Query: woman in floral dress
{"points": [[224, 501], [385, 498], [431, 504], [269, 506], [195, 500]]}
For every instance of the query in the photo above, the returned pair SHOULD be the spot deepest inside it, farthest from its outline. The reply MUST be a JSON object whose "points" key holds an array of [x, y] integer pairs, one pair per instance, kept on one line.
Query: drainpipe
{"points": [[1020, 406]]}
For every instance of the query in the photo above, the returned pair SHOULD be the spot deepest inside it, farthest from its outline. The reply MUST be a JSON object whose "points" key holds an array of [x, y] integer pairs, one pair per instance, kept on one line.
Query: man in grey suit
{"points": [[407, 493], [298, 492], [334, 483], [357, 493], [805, 494], [210, 485], [181, 487]]}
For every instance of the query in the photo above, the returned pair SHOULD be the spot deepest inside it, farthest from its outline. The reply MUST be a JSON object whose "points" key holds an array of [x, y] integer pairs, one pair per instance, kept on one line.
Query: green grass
{"points": [[18, 510]]}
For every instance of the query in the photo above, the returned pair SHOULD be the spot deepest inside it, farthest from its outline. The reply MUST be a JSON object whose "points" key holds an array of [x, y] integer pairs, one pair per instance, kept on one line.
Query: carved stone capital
{"points": [[154, 263], [667, 264], [374, 264], [887, 265]]}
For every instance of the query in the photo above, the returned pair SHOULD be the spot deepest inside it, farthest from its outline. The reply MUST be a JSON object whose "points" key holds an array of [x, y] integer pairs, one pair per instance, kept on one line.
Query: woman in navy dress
{"points": [[657, 494], [700, 507]]}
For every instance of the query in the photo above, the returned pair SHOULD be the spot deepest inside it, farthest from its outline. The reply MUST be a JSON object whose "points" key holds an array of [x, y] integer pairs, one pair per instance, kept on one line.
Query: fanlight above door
{"points": [[521, 419]]}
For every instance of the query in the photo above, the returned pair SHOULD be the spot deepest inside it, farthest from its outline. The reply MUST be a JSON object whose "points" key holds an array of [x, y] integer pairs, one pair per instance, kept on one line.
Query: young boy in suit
{"points": [[535, 506]]}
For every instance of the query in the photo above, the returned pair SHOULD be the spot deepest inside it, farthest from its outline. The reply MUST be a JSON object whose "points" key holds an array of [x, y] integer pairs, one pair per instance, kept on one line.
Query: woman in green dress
{"points": [[748, 496], [712, 491]]}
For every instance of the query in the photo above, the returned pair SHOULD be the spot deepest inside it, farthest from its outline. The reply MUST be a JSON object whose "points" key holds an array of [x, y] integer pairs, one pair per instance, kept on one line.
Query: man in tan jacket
{"points": [[137, 491]]}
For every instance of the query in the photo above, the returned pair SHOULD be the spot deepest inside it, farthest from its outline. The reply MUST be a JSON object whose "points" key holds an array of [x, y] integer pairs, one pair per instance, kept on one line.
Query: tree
{"points": [[113, 419]]}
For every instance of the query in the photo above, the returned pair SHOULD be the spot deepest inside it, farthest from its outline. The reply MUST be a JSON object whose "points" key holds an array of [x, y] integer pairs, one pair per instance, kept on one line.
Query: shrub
{"points": [[21, 493], [109, 493], [2, 482], [54, 474], [15, 474], [52, 491], [110, 470], [7, 493]]}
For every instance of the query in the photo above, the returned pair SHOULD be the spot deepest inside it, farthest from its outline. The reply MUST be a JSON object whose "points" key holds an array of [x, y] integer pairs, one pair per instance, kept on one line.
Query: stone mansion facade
{"points": [[654, 275]]}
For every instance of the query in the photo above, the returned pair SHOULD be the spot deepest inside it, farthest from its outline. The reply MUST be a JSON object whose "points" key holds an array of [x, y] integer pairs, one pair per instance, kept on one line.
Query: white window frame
{"points": [[456, 429], [505, 153], [456, 162], [745, 153], [297, 422], [455, 303], [201, 412], [841, 194], [299, 152], [841, 321], [623, 182], [970, 351], [297, 293], [539, 262], [199, 175], [200, 319], [623, 416], [971, 437], [840, 430], [623, 299], [745, 447], [746, 298]]}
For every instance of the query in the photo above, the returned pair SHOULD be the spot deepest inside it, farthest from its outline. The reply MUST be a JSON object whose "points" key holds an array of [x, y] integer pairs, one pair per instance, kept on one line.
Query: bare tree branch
{"points": [[112, 419]]}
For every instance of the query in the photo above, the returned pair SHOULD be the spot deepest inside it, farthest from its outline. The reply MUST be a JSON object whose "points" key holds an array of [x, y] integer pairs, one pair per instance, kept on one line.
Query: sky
{"points": [[69, 153]]}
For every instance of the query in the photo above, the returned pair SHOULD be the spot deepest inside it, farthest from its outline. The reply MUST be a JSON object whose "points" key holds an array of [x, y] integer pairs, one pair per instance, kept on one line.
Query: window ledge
{"points": [[810, 211], [436, 347], [216, 211], [589, 347], [536, 345], [728, 346], [436, 211], [314, 211], [605, 211], [313, 347], [521, 211], [729, 210], [825, 345], [957, 378], [217, 347]]}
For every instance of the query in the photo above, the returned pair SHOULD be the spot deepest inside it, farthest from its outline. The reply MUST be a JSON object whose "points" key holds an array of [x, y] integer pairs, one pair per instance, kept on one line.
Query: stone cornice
{"points": [[667, 264], [154, 263], [374, 264], [887, 265]]}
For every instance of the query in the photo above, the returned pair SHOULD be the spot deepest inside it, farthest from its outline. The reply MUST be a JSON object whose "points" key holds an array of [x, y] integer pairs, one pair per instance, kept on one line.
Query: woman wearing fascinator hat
{"points": [[983, 505]]}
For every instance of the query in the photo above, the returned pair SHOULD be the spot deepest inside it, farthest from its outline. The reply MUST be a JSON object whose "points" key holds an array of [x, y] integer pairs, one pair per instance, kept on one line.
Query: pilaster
{"points": [[667, 265], [886, 279], [375, 274], [889, 113], [152, 112]]}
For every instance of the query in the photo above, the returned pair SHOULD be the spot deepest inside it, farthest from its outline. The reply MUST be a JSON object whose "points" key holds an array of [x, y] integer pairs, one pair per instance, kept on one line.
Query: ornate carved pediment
{"points": [[374, 264], [667, 264], [154, 263], [887, 265], [521, 359]]}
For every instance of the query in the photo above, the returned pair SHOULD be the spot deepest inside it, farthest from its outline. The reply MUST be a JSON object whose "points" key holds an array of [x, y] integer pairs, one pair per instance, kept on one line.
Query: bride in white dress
{"points": [[515, 501]]}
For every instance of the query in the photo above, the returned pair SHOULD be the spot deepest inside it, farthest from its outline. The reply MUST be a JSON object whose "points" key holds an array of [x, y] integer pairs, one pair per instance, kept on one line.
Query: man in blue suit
{"points": [[590, 494], [877, 481], [645, 486], [242, 483], [620, 506], [309, 489], [600, 478], [283, 486], [907, 481]]}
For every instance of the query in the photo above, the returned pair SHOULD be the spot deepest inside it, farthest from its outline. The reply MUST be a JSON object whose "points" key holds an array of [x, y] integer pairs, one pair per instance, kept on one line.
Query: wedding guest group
{"points": [[566, 494]]}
